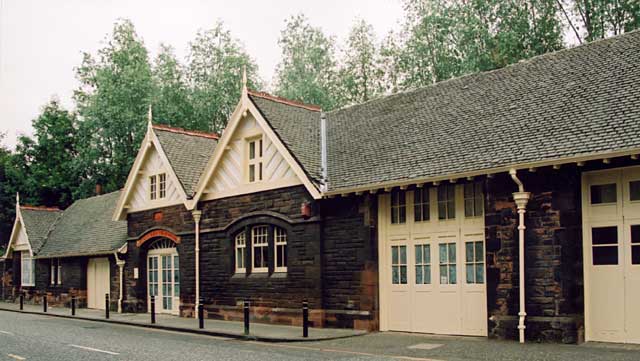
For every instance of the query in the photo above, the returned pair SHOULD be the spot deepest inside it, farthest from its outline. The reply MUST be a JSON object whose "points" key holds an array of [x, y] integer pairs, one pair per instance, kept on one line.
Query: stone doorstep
{"points": [[206, 332]]}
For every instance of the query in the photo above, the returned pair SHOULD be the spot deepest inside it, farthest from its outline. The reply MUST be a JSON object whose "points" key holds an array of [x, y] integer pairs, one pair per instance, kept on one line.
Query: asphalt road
{"points": [[36, 337]]}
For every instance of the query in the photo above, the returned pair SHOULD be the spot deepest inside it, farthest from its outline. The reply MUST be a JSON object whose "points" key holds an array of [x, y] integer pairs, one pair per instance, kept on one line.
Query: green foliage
{"points": [[360, 74], [172, 96], [116, 90], [215, 64], [47, 161], [597, 19], [307, 69]]}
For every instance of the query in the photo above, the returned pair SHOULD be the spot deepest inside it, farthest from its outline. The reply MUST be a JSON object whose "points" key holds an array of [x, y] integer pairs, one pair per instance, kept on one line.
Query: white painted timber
{"points": [[438, 307], [612, 293], [230, 176], [97, 282]]}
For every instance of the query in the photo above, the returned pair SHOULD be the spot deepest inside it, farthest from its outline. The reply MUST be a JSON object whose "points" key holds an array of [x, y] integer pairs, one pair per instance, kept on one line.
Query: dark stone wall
{"points": [[350, 260], [553, 255], [336, 295]]}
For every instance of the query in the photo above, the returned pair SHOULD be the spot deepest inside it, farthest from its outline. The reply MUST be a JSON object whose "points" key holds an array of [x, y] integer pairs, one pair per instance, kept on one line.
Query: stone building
{"points": [[502, 204]]}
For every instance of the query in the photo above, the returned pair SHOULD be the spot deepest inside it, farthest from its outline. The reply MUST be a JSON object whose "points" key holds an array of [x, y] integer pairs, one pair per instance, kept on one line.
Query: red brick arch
{"points": [[157, 234]]}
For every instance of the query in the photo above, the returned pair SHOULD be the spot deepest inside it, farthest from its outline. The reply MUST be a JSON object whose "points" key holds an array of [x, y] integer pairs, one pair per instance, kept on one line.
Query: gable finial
{"points": [[17, 199], [244, 78], [150, 116]]}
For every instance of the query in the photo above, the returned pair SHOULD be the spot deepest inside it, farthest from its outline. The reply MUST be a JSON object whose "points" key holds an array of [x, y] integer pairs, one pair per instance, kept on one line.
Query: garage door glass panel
{"points": [[604, 242], [634, 190], [399, 265], [635, 244], [398, 207], [603, 193], [474, 262], [447, 252], [446, 202], [421, 204], [423, 264]]}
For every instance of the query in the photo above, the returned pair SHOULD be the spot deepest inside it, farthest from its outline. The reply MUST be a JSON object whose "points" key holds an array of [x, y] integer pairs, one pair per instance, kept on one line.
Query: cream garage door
{"points": [[611, 244], [97, 282], [432, 272]]}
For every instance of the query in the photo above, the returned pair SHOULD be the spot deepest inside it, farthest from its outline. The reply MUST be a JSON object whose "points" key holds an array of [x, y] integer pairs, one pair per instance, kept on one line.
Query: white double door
{"points": [[611, 248], [97, 282], [163, 280]]}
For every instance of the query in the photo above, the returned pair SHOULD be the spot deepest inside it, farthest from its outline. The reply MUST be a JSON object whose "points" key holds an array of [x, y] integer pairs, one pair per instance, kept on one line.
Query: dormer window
{"points": [[254, 163], [158, 186]]}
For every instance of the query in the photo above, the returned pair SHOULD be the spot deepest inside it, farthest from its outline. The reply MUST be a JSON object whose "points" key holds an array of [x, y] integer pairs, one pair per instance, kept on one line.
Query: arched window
{"points": [[162, 243]]}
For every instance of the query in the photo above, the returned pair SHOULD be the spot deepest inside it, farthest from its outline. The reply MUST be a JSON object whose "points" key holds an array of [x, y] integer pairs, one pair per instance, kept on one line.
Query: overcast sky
{"points": [[41, 41]]}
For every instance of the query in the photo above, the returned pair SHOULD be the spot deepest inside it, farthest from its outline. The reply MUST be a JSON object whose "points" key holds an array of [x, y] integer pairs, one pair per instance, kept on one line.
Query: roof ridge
{"points": [[490, 71], [41, 208], [275, 98], [195, 133]]}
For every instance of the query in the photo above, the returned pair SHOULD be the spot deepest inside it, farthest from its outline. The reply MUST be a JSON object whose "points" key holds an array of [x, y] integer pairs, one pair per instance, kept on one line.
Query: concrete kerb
{"points": [[188, 330]]}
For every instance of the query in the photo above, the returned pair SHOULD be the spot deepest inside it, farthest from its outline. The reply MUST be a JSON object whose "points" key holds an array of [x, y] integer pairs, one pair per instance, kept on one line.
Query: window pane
{"points": [[635, 233], [444, 278], [419, 275], [252, 173], [469, 252], [603, 193], [468, 190], [417, 212], [635, 254], [468, 207], [402, 216], [394, 215], [452, 252], [260, 171], [604, 235], [479, 252], [252, 150], [418, 254], [395, 278], [470, 276], [403, 275], [427, 254], [394, 255], [634, 190], [480, 273], [427, 274], [443, 253], [442, 210], [607, 255], [403, 254], [452, 274]]}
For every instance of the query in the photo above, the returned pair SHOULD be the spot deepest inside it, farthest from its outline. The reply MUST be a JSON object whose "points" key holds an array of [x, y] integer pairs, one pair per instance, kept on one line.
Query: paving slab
{"points": [[234, 329]]}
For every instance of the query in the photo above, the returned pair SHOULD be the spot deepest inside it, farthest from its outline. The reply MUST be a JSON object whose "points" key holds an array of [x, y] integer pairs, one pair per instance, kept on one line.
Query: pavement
{"points": [[43, 337], [232, 329]]}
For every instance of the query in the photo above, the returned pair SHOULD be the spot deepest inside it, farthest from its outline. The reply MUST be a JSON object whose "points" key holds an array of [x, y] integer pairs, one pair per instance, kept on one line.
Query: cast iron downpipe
{"points": [[196, 219], [521, 198]]}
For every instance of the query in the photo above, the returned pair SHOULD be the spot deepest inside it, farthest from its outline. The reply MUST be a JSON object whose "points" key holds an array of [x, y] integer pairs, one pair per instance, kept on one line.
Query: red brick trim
{"points": [[156, 234], [277, 99], [40, 208], [194, 133]]}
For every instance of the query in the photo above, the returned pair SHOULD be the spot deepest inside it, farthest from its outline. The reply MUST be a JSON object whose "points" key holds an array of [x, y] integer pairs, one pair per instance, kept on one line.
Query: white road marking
{"points": [[16, 357], [94, 349], [6, 333]]}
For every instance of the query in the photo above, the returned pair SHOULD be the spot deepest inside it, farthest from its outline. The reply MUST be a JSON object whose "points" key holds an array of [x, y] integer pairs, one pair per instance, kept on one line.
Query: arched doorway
{"points": [[163, 276]]}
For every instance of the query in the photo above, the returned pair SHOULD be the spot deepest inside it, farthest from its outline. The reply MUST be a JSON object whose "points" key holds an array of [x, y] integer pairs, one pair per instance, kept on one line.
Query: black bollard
{"points": [[305, 318], [21, 301], [106, 306], [73, 306], [246, 317], [201, 313], [153, 309], [44, 303]]}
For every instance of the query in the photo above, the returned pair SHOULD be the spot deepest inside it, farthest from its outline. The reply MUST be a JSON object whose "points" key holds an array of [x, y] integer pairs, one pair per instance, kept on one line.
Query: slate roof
{"points": [[564, 104], [37, 223], [188, 152], [86, 228], [297, 126]]}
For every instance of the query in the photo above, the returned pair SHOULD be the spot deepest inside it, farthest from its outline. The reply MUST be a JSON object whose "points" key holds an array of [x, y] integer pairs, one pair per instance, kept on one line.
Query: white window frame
{"points": [[448, 202], [448, 263], [473, 260], [56, 271], [25, 257], [241, 248], [398, 207], [476, 199], [256, 161], [260, 243], [158, 186], [279, 246]]}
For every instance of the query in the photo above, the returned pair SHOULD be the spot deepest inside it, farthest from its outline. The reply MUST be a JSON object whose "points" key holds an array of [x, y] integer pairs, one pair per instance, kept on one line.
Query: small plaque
{"points": [[136, 273]]}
